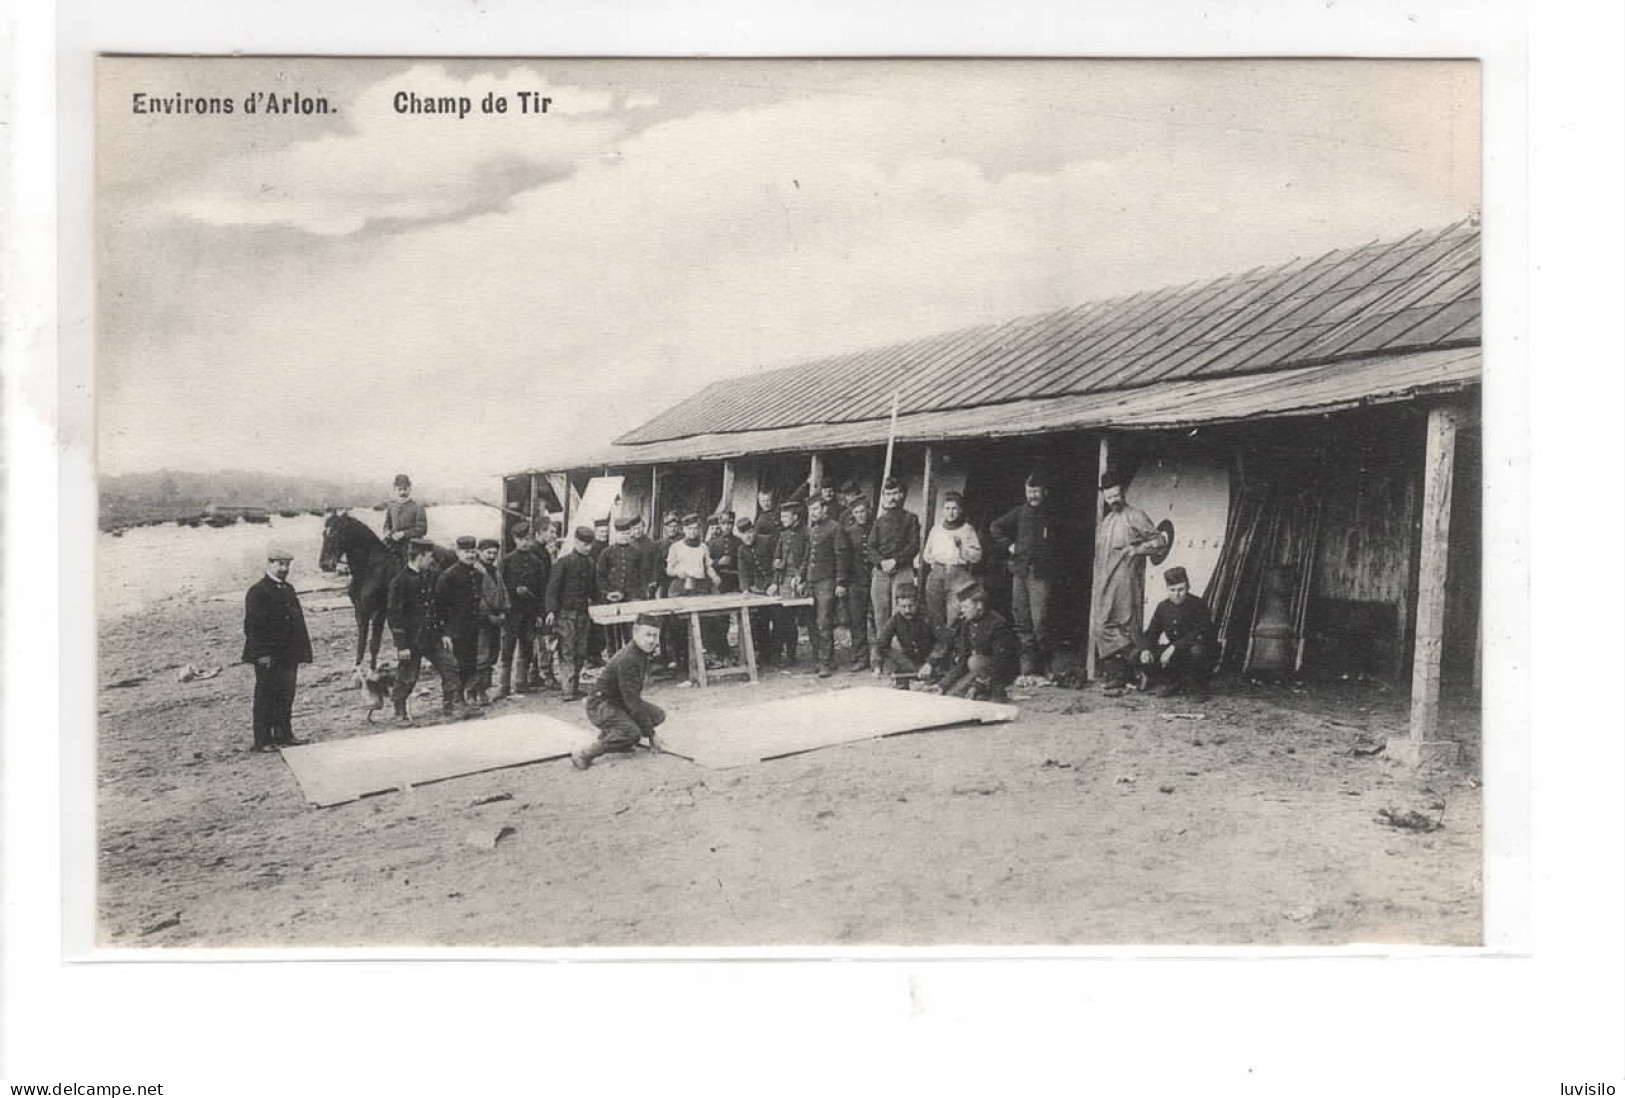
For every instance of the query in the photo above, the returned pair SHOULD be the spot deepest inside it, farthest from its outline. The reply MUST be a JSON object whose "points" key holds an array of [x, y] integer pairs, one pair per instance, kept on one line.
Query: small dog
{"points": [[379, 684]]}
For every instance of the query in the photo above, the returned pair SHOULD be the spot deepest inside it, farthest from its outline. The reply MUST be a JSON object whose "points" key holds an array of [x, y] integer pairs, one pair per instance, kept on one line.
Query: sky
{"points": [[369, 291]]}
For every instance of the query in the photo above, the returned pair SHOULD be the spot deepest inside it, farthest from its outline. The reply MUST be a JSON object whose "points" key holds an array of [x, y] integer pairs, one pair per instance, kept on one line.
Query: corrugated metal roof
{"points": [[1417, 293], [1189, 402]]}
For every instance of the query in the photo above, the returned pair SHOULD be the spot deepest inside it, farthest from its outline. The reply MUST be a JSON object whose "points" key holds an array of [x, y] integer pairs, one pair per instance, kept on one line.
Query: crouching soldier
{"points": [[414, 620], [616, 705], [984, 654], [1185, 663], [907, 643]]}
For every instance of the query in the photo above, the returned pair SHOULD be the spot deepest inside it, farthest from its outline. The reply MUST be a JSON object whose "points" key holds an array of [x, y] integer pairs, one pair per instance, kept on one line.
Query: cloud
{"points": [[722, 241], [393, 171]]}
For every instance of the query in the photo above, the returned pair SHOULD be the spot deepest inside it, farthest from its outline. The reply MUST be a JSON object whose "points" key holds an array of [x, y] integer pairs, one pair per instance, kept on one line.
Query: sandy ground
{"points": [[1088, 820]]}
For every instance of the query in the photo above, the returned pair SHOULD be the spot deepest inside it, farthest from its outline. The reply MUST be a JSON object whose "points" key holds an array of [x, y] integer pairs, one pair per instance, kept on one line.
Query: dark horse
{"points": [[372, 567]]}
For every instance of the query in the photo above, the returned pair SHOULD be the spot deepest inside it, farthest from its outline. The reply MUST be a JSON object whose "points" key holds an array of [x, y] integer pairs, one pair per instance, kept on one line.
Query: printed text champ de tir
{"points": [[463, 105]]}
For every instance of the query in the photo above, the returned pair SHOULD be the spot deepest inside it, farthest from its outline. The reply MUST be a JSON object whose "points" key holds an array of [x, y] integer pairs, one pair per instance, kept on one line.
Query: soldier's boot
{"points": [[505, 679]]}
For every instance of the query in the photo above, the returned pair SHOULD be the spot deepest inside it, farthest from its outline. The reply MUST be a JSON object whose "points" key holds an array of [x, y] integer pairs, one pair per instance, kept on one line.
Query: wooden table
{"points": [[738, 605]]}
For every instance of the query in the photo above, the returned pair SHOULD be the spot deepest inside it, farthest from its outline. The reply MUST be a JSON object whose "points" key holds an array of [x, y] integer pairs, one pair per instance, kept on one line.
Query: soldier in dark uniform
{"points": [[457, 595], [789, 579], [621, 576], [616, 705], [828, 573], [859, 607], [654, 558], [1032, 536], [276, 642], [524, 571], [756, 576], [767, 516], [724, 550], [1186, 661], [596, 638], [571, 589], [984, 654], [414, 620], [909, 641]]}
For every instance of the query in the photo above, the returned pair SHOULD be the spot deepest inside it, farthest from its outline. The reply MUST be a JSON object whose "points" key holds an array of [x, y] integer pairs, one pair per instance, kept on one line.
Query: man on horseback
{"points": [[404, 518]]}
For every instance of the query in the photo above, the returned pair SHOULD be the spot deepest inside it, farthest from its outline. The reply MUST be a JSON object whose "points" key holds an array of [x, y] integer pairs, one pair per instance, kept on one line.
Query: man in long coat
{"points": [[1124, 537], [276, 642]]}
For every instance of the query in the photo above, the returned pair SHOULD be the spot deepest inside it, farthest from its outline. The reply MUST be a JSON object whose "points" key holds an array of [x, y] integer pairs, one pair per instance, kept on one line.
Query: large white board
{"points": [[1195, 497]]}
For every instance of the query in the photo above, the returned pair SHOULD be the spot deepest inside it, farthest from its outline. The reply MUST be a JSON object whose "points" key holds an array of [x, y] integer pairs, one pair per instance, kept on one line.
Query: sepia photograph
{"points": [[784, 504]]}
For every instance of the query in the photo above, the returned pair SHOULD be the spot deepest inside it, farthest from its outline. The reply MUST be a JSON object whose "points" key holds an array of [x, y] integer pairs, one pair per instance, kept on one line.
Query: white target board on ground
{"points": [[1194, 497]]}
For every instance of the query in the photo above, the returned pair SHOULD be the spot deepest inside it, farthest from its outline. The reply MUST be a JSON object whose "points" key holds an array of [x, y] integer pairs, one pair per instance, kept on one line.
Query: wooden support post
{"points": [[1089, 632], [1438, 475], [727, 488], [815, 476], [654, 501], [928, 506], [535, 508]]}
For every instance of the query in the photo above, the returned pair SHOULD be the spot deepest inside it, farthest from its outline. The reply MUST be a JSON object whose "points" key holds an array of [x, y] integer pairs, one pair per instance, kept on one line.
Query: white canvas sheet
{"points": [[346, 770], [733, 737]]}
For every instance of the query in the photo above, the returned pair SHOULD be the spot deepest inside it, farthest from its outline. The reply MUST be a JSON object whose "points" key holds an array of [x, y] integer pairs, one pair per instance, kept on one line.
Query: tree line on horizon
{"points": [[129, 498]]}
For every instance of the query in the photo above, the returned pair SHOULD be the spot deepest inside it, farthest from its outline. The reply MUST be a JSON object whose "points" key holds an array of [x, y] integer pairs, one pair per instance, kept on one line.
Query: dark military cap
{"points": [[792, 505], [402, 480], [466, 542], [625, 524], [489, 543], [419, 545], [907, 591], [691, 519], [1111, 479], [953, 497], [520, 529], [969, 591], [647, 619], [745, 526], [671, 516], [1037, 479], [583, 533], [891, 484], [600, 522], [1176, 574]]}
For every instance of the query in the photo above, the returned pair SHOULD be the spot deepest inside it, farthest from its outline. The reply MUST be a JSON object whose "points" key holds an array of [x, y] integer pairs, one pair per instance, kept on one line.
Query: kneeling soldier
{"points": [[984, 655], [1186, 661], [616, 706], [908, 642]]}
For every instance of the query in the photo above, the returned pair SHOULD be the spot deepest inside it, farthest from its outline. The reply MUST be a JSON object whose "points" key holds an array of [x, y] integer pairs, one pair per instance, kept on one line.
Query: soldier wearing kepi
{"points": [[789, 579], [827, 576], [596, 636], [755, 577], [457, 594], [276, 642], [859, 608], [1186, 661], [414, 620], [983, 654], [616, 705], [1031, 535], [571, 589], [494, 606], [524, 571], [621, 575]]}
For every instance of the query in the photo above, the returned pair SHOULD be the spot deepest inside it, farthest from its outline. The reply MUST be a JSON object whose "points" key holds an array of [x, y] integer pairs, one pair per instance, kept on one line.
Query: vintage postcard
{"points": [[786, 504]]}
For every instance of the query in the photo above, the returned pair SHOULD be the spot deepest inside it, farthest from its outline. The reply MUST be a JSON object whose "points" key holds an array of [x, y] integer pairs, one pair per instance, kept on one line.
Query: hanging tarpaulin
{"points": [[1189, 500], [601, 500]]}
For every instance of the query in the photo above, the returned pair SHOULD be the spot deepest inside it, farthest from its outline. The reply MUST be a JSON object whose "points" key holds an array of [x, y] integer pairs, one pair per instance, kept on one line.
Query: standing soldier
{"points": [[571, 589], [654, 558], [620, 573], [1031, 536], [596, 639], [276, 642], [756, 576], [1124, 537], [414, 620], [724, 550], [404, 517], [494, 605], [688, 563], [789, 579], [767, 515], [524, 571], [894, 542], [457, 595], [827, 577], [859, 607], [951, 550]]}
